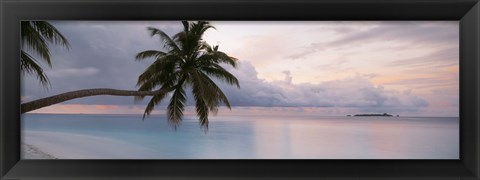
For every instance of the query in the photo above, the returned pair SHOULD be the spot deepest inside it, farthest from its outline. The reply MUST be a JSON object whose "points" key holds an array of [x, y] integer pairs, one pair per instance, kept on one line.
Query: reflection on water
{"points": [[261, 137], [358, 137]]}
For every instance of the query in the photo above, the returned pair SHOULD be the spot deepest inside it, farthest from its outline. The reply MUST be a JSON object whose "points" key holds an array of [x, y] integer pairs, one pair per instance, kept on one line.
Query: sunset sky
{"points": [[287, 68]]}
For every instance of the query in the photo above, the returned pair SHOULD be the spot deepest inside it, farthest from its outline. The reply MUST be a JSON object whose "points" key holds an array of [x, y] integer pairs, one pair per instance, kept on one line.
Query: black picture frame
{"points": [[465, 11]]}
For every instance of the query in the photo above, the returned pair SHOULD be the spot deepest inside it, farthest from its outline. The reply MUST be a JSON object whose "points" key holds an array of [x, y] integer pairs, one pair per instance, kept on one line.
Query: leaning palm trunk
{"points": [[44, 102]]}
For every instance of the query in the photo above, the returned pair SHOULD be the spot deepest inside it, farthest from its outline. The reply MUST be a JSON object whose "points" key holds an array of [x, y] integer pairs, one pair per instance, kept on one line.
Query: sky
{"points": [[410, 68]]}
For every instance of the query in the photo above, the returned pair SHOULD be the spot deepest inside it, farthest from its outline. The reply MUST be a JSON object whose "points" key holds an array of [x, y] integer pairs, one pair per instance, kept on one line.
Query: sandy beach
{"points": [[32, 152], [53, 145]]}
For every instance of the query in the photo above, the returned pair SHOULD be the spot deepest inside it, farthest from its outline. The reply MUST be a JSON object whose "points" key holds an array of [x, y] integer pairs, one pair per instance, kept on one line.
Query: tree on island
{"points": [[188, 62]]}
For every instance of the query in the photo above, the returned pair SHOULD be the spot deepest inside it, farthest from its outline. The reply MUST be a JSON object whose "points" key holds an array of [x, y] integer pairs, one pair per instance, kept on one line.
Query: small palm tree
{"points": [[35, 36], [187, 62]]}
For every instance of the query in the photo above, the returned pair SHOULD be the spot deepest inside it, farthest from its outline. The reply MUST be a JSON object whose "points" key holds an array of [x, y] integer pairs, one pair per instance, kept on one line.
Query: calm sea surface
{"points": [[256, 137]]}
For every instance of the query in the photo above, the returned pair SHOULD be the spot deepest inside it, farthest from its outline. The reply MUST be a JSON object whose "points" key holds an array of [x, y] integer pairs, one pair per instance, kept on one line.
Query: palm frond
{"points": [[185, 26], [163, 66], [32, 40], [191, 40], [202, 112], [221, 74], [168, 42], [180, 39], [209, 94], [166, 82], [215, 90], [218, 57], [176, 107], [149, 54], [200, 27], [201, 100], [224, 58], [213, 55], [206, 47], [156, 99], [29, 65], [161, 73], [35, 36], [50, 33]]}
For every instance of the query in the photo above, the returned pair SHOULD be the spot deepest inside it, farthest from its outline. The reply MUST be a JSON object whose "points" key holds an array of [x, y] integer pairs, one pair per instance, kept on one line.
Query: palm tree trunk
{"points": [[44, 102]]}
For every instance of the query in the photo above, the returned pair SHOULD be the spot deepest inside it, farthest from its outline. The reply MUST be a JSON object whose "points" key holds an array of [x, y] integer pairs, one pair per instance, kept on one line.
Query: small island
{"points": [[384, 114]]}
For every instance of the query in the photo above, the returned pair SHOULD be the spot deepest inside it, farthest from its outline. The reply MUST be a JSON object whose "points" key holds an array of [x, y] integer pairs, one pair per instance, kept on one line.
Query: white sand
{"points": [[32, 152], [51, 145]]}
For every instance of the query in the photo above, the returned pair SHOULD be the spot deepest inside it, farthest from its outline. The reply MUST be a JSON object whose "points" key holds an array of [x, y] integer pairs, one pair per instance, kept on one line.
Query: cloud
{"points": [[406, 34], [356, 91], [288, 77], [69, 72], [415, 33], [440, 58]]}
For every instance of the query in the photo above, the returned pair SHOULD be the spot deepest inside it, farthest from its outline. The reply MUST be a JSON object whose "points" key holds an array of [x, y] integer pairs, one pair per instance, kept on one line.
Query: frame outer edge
{"points": [[469, 24], [475, 170], [2, 132], [476, 8], [8, 131]]}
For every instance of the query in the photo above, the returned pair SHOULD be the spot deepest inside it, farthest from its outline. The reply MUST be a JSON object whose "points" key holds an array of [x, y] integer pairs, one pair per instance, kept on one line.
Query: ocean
{"points": [[88, 136]]}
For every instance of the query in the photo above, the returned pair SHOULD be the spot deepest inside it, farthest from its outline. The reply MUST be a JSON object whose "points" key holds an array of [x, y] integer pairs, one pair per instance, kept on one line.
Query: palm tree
{"points": [[35, 36], [188, 61]]}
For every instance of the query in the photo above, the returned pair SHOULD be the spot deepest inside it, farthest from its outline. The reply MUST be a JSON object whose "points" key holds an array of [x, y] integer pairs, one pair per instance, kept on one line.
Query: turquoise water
{"points": [[264, 137]]}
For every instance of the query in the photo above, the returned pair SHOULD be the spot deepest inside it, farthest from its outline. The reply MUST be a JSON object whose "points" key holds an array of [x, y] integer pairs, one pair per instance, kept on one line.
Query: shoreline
{"points": [[32, 152], [60, 145]]}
